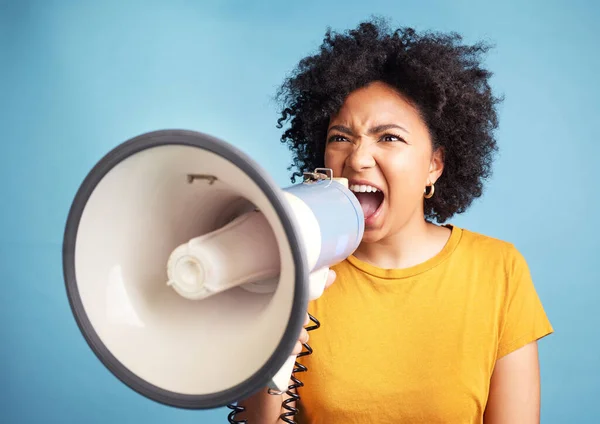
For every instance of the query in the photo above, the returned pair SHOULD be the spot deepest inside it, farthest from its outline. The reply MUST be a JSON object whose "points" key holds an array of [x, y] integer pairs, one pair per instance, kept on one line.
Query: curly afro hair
{"points": [[439, 75]]}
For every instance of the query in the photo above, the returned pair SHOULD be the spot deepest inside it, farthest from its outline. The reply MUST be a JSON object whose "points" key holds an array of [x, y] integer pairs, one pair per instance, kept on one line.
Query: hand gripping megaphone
{"points": [[189, 271]]}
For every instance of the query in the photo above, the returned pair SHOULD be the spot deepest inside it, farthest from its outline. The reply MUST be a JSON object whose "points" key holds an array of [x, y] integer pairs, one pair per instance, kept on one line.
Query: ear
{"points": [[436, 165]]}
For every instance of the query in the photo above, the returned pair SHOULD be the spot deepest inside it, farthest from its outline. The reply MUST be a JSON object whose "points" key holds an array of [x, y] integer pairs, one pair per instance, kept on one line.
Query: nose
{"points": [[360, 158]]}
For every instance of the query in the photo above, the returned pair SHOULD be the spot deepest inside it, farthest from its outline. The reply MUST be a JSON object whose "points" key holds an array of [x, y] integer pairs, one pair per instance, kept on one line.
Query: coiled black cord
{"points": [[290, 411], [292, 391], [236, 409]]}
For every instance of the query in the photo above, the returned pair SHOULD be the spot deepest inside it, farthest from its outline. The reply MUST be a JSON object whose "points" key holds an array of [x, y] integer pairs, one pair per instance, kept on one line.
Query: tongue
{"points": [[369, 202]]}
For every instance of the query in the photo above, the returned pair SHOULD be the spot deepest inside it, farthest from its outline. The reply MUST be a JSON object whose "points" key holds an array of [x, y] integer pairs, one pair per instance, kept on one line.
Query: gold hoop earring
{"points": [[430, 194]]}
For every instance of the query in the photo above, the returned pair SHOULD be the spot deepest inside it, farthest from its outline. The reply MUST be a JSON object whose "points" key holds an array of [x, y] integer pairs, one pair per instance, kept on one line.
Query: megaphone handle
{"points": [[317, 281], [290, 405], [279, 382]]}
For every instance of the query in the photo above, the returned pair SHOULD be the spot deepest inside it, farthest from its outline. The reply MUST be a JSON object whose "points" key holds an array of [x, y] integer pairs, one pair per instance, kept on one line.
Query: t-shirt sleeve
{"points": [[524, 318]]}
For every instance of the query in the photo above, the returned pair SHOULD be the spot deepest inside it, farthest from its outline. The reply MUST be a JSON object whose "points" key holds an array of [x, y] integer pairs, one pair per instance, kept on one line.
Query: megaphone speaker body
{"points": [[189, 270]]}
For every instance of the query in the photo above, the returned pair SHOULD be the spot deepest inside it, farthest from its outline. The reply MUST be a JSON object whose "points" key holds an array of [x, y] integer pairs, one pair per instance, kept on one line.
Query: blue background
{"points": [[77, 78]]}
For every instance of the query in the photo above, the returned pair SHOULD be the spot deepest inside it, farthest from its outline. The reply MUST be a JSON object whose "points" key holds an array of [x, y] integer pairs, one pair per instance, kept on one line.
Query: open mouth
{"points": [[369, 197]]}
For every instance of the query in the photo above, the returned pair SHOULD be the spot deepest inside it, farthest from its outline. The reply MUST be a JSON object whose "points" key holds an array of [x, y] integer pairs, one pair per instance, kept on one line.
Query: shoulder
{"points": [[522, 317], [499, 265], [490, 260], [491, 250], [501, 268], [477, 240]]}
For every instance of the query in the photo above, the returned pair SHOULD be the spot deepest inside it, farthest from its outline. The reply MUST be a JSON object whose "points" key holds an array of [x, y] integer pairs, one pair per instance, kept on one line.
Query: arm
{"points": [[262, 408], [515, 388], [265, 408]]}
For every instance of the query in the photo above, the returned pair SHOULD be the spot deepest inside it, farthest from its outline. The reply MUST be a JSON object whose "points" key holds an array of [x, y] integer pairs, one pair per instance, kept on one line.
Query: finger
{"points": [[306, 320], [297, 348], [330, 278], [303, 336]]}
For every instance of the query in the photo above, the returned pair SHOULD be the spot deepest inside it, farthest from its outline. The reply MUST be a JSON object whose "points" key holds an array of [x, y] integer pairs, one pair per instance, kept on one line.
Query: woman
{"points": [[426, 323]]}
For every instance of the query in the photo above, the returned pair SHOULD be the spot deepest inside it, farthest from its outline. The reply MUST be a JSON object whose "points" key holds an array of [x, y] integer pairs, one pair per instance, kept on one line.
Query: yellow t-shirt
{"points": [[418, 345]]}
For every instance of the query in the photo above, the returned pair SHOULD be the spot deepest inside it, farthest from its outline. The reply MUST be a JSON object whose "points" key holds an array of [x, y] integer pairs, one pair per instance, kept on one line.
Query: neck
{"points": [[416, 242]]}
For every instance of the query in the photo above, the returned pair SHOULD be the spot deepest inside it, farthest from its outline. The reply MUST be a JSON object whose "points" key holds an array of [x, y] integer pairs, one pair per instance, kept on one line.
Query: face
{"points": [[380, 143]]}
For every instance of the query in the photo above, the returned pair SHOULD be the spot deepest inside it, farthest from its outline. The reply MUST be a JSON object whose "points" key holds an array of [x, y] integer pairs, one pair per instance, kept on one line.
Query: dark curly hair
{"points": [[443, 78]]}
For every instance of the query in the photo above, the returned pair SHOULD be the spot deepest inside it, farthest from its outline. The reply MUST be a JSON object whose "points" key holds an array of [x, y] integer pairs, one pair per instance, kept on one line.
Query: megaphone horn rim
{"points": [[273, 192]]}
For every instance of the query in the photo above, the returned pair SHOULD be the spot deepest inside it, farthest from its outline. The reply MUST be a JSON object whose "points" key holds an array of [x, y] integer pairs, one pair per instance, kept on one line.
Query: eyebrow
{"points": [[373, 130]]}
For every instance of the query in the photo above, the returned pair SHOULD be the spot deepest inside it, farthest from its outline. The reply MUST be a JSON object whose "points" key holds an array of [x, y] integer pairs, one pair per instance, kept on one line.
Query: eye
{"points": [[336, 138], [392, 138]]}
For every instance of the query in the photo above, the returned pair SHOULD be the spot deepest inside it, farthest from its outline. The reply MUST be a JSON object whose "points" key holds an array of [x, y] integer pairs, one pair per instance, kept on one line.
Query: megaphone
{"points": [[189, 271]]}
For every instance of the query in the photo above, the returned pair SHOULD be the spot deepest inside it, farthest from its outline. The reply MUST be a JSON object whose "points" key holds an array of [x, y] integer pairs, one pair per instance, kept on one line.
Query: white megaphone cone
{"points": [[189, 271]]}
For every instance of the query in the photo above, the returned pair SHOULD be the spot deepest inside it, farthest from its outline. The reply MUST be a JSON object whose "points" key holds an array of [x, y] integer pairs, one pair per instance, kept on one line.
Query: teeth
{"points": [[363, 188]]}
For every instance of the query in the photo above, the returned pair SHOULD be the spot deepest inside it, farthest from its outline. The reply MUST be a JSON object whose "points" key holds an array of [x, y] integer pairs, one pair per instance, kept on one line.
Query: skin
{"points": [[400, 160], [379, 137], [515, 388]]}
